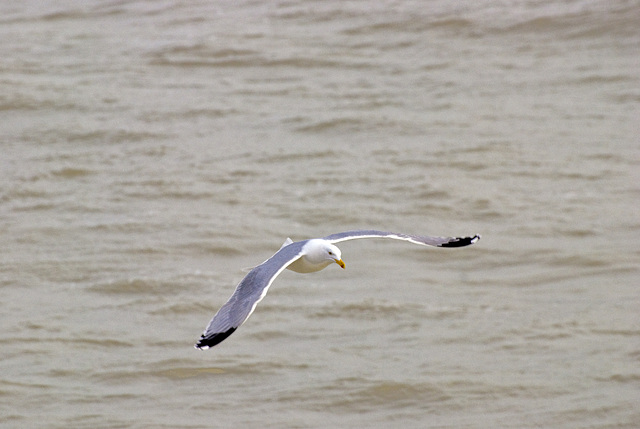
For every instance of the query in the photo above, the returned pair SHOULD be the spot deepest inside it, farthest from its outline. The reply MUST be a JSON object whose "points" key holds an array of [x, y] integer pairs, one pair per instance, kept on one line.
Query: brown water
{"points": [[151, 150]]}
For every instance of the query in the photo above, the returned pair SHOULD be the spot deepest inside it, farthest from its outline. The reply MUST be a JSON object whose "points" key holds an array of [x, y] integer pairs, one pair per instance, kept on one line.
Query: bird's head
{"points": [[333, 253], [318, 254]]}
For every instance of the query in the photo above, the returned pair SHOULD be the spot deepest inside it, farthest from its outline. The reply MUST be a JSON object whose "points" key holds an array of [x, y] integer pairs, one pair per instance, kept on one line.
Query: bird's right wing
{"points": [[247, 295]]}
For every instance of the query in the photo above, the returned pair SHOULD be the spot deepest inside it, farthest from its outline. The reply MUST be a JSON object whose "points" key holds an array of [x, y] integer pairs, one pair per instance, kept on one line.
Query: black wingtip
{"points": [[461, 241], [207, 342]]}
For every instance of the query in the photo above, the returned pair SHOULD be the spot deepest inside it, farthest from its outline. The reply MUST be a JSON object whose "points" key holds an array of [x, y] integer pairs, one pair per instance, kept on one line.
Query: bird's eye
{"points": [[330, 252]]}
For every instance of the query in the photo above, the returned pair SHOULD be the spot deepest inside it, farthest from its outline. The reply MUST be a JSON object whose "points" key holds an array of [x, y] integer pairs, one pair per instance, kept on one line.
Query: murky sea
{"points": [[153, 150]]}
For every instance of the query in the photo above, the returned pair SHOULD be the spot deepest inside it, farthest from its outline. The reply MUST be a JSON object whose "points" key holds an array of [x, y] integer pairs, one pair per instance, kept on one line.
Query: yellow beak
{"points": [[339, 262]]}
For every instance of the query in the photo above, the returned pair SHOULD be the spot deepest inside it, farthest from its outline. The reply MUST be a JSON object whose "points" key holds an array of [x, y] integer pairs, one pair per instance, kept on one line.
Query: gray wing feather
{"points": [[417, 239], [247, 295]]}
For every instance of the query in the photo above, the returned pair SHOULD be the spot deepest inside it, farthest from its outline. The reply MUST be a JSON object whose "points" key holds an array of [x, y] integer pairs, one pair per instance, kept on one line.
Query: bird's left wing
{"points": [[416, 239]]}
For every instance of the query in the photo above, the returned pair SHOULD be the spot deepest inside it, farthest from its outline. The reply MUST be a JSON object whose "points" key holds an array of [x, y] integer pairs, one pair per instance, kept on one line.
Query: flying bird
{"points": [[304, 256]]}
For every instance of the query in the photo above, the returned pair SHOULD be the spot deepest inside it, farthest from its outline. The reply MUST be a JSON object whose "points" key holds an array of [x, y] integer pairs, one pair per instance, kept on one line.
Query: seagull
{"points": [[306, 256]]}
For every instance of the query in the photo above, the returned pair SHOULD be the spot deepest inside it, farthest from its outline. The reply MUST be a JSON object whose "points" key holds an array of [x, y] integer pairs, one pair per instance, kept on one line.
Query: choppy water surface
{"points": [[153, 150]]}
